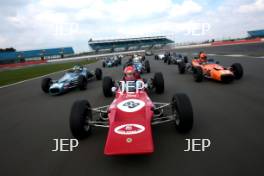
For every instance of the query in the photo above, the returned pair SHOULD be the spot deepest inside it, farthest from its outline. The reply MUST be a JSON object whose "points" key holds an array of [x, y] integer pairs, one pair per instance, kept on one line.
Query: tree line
{"points": [[11, 49]]}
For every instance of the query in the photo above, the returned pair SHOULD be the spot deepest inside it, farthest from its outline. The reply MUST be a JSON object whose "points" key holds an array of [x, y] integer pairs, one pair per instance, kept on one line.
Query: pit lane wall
{"points": [[235, 42]]}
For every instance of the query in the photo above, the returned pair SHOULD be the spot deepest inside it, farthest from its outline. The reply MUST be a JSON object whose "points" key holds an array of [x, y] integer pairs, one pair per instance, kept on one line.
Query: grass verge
{"points": [[21, 74]]}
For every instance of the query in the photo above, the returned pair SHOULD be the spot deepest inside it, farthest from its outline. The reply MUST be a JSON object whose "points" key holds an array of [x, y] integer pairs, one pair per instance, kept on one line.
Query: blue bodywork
{"points": [[110, 62], [138, 66], [68, 81]]}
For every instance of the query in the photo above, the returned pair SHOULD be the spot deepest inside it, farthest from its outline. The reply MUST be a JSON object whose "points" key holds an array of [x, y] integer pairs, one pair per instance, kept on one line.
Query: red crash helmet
{"points": [[129, 70], [203, 56]]}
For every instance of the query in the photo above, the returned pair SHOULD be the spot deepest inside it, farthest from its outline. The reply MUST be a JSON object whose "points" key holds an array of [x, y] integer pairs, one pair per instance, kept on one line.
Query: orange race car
{"points": [[201, 67]]}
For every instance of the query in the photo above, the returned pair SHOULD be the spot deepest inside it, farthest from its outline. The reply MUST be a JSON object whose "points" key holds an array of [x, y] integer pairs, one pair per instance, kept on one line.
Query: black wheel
{"points": [[169, 61], [107, 86], [181, 67], [237, 70], [79, 119], [45, 84], [103, 64], [185, 58], [158, 83], [198, 74], [98, 73], [147, 66], [182, 108], [82, 82]]}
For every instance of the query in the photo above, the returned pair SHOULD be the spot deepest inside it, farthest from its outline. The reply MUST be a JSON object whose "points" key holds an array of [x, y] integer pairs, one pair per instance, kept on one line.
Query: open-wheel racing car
{"points": [[159, 56], [141, 65], [212, 70], [77, 77], [176, 59], [111, 61], [129, 118]]}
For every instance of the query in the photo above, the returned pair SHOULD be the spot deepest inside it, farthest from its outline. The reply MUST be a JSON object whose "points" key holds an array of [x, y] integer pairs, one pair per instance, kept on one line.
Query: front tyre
{"points": [[181, 67], [185, 59], [182, 108], [45, 84], [237, 70], [82, 81], [198, 74], [80, 116], [158, 83], [98, 73], [169, 61], [147, 66], [107, 86]]}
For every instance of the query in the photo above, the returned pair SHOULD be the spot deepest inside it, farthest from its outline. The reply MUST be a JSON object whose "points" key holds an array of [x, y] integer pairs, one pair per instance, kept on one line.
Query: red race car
{"points": [[131, 115]]}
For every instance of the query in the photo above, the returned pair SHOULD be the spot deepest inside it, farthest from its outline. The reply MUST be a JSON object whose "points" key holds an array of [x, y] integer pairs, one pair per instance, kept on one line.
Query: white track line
{"points": [[232, 55], [211, 54], [235, 55]]}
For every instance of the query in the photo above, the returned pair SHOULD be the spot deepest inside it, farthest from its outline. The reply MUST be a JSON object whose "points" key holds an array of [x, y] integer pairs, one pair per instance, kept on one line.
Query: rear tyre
{"points": [[185, 58], [182, 108], [198, 74], [237, 70], [147, 66], [98, 73], [158, 83], [103, 64], [107, 86], [45, 84], [181, 67], [82, 82], [169, 61], [80, 116]]}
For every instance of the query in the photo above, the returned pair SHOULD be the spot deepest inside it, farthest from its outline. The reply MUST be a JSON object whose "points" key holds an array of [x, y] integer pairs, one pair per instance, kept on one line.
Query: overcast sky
{"points": [[36, 24]]}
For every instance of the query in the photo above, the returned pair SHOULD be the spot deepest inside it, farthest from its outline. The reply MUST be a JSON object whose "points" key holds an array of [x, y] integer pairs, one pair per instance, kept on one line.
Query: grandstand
{"points": [[129, 43], [256, 33], [21, 56]]}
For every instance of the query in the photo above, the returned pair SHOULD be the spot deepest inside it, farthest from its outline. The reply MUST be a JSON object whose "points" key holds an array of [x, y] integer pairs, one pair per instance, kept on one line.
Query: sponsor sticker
{"points": [[129, 129], [131, 105]]}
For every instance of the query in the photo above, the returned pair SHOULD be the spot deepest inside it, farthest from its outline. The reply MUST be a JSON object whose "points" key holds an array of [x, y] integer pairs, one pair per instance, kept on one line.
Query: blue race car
{"points": [[77, 77], [141, 65], [111, 61]]}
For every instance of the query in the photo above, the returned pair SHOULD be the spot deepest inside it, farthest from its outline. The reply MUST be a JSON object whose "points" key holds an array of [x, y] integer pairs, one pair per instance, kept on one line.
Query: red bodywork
{"points": [[130, 128]]}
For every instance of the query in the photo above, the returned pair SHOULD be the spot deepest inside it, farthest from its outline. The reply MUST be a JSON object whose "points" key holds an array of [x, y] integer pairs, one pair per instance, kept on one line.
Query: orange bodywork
{"points": [[212, 70]]}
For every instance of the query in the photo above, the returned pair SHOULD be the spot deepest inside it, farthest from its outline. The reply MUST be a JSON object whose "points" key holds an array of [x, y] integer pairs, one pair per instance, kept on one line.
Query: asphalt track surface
{"points": [[230, 115], [249, 49]]}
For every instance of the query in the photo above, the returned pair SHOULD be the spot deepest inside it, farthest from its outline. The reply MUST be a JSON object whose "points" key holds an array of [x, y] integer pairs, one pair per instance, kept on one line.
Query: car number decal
{"points": [[131, 105], [129, 129]]}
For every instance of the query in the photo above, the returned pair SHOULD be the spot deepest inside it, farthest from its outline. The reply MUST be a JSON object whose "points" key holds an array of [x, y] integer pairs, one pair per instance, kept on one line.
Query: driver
{"points": [[130, 74], [77, 68], [202, 57]]}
